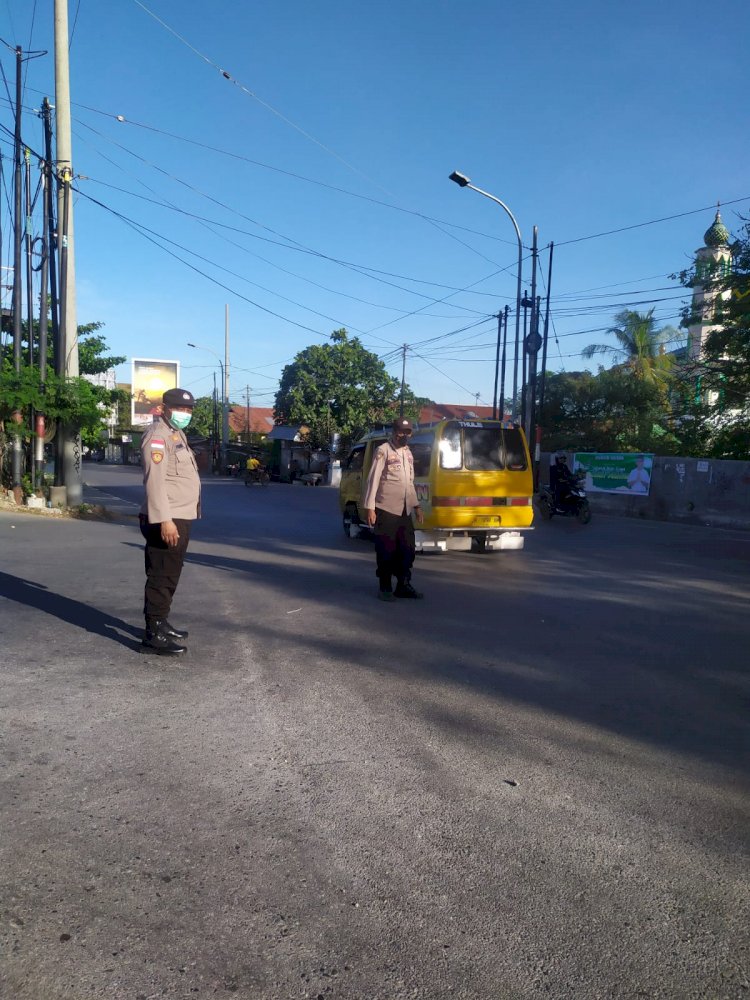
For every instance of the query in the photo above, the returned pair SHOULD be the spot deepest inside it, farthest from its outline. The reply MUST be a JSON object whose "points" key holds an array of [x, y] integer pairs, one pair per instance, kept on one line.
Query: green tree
{"points": [[640, 346], [610, 411], [73, 400], [92, 359], [337, 387], [203, 416]]}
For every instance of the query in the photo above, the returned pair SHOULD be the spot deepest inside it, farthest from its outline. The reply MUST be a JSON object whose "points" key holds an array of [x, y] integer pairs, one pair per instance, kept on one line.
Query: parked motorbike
{"points": [[575, 504]]}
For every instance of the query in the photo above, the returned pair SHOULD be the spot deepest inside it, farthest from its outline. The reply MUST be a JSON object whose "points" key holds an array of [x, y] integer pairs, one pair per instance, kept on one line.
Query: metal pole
{"points": [[51, 230], [44, 278], [225, 405], [215, 430], [463, 181], [403, 379], [497, 364], [17, 416], [546, 334], [502, 369], [525, 305], [30, 309], [531, 368], [71, 451]]}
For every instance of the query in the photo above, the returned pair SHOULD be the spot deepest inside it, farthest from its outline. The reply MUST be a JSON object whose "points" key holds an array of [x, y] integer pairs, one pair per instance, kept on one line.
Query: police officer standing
{"points": [[390, 498], [172, 484]]}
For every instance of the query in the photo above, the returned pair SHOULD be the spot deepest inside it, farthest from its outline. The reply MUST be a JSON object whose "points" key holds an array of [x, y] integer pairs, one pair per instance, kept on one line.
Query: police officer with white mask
{"points": [[172, 503]]}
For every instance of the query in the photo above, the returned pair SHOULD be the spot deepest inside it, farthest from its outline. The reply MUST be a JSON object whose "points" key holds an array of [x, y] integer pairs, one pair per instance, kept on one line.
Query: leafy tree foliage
{"points": [[640, 346], [613, 410], [92, 359], [203, 416], [75, 401], [337, 387]]}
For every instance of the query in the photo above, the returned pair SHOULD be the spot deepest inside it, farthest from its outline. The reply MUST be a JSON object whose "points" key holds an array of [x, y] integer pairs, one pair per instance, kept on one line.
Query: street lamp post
{"points": [[463, 181], [224, 403]]}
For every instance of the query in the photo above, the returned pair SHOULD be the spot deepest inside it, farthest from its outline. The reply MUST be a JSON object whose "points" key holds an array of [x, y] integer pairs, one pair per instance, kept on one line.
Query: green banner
{"points": [[615, 473]]}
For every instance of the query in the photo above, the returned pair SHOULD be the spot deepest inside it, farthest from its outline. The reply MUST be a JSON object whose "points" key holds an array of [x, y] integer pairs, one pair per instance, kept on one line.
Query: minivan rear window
{"points": [[482, 448]]}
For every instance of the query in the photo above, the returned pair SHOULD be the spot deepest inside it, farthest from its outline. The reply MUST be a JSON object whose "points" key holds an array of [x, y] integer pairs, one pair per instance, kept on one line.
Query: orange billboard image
{"points": [[150, 381]]}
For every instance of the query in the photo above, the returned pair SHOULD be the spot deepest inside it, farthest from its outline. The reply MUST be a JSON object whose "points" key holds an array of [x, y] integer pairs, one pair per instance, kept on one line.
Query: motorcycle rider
{"points": [[561, 478]]}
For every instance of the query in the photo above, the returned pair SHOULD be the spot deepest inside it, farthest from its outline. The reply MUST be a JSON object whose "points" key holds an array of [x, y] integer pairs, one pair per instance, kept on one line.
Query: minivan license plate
{"points": [[487, 522]]}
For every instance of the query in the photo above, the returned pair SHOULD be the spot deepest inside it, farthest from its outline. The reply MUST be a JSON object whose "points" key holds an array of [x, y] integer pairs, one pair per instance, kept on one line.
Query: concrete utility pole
{"points": [[68, 440], [225, 423]]}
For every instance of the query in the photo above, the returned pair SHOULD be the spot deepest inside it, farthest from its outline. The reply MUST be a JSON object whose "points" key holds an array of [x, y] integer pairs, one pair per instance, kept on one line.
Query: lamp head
{"points": [[190, 345], [459, 179]]}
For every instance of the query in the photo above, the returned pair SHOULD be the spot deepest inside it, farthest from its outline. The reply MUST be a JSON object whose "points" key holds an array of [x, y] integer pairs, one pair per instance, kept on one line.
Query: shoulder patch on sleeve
{"points": [[157, 456], [157, 443]]}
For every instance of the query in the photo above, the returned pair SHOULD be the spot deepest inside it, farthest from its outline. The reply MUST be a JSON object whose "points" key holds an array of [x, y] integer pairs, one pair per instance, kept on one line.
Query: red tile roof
{"points": [[453, 411], [261, 419]]}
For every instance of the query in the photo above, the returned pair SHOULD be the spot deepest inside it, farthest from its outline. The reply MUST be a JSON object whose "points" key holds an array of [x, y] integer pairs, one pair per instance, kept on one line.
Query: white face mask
{"points": [[180, 420]]}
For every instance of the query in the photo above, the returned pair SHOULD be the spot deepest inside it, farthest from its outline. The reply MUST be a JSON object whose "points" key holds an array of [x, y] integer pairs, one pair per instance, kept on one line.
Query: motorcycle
{"points": [[574, 504]]}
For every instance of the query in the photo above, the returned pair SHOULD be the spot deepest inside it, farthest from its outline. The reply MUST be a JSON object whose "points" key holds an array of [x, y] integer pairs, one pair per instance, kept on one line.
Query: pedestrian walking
{"points": [[172, 503], [390, 500]]}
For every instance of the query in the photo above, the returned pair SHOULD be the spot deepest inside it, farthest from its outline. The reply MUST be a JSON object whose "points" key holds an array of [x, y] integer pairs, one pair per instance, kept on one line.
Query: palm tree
{"points": [[640, 345]]}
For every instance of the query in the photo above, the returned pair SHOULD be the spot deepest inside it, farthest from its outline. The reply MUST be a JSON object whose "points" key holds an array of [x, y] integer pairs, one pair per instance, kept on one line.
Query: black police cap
{"points": [[178, 397]]}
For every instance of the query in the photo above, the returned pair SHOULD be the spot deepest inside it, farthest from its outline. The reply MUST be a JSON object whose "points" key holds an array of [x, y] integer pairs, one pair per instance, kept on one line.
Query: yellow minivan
{"points": [[473, 479]]}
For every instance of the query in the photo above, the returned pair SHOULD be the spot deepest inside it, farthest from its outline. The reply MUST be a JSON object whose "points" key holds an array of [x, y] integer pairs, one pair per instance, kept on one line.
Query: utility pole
{"points": [[531, 346], [545, 340], [215, 430], [69, 445], [502, 363], [30, 302], [2, 276], [525, 304], [51, 229], [17, 417], [247, 412], [403, 378], [44, 278], [225, 411]]}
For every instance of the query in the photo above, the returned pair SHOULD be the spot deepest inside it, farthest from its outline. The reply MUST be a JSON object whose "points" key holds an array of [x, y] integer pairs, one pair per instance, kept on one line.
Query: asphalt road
{"points": [[531, 784]]}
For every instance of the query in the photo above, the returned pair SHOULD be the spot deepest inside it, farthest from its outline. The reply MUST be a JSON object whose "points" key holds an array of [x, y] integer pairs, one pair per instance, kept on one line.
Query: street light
{"points": [[224, 403], [463, 182]]}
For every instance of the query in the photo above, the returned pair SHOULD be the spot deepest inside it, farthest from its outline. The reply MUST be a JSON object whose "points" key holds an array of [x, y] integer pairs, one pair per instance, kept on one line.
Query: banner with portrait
{"points": [[150, 380], [615, 473]]}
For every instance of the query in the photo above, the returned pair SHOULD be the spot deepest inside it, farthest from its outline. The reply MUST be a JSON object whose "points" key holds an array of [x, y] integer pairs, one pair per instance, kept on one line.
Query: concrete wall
{"points": [[691, 490]]}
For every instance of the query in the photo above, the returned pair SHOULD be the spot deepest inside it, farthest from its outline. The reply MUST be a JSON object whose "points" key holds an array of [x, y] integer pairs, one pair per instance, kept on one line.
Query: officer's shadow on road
{"points": [[36, 595]]}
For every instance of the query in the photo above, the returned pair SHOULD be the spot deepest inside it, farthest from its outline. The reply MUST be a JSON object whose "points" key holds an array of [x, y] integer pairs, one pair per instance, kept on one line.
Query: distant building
{"points": [[251, 423], [453, 411]]}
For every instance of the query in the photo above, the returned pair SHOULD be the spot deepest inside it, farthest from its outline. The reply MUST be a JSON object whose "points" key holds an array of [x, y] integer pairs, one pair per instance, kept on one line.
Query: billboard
{"points": [[615, 473], [150, 381]]}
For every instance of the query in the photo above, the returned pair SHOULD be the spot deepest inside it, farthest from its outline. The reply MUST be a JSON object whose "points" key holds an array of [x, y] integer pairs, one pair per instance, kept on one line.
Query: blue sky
{"points": [[310, 190]]}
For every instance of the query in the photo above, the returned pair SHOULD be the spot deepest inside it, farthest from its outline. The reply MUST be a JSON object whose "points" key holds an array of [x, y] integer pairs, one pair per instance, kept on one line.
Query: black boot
{"points": [[172, 632], [158, 640]]}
